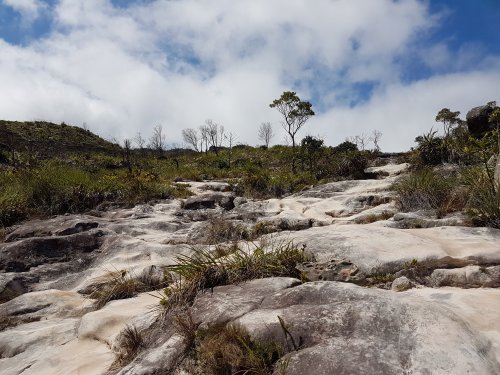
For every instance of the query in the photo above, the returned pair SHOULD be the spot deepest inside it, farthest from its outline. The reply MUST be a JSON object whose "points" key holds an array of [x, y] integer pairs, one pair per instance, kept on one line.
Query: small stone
{"points": [[401, 284]]}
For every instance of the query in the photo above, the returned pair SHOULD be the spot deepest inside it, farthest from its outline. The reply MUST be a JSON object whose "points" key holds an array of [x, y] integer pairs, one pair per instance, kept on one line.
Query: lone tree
{"points": [[266, 133], [449, 119], [295, 112], [191, 137]]}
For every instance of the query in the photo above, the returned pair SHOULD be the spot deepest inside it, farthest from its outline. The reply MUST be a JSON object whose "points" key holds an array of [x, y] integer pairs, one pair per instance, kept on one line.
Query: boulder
{"points": [[341, 328], [478, 119], [210, 200], [467, 277], [59, 226], [22, 255]]}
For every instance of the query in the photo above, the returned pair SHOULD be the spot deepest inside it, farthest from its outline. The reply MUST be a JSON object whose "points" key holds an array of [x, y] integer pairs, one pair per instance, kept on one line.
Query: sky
{"points": [[126, 66]]}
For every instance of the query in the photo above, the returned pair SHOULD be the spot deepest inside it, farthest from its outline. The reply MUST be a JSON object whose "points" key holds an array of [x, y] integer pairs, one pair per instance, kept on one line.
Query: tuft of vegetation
{"points": [[425, 190], [229, 349], [130, 343], [121, 284], [218, 230], [205, 270], [484, 198]]}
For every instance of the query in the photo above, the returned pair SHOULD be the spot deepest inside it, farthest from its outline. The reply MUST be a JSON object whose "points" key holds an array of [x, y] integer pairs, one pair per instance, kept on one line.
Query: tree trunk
{"points": [[496, 177]]}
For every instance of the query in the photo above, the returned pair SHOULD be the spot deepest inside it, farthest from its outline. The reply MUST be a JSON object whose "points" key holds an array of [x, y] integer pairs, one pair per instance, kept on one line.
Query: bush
{"points": [[205, 270], [484, 202], [423, 190]]}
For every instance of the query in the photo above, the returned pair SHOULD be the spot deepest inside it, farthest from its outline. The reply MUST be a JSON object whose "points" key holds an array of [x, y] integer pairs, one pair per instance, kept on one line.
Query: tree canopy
{"points": [[295, 112]]}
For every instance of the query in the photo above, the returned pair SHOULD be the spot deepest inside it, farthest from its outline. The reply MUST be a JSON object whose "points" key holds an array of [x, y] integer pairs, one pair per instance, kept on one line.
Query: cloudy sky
{"points": [[124, 66]]}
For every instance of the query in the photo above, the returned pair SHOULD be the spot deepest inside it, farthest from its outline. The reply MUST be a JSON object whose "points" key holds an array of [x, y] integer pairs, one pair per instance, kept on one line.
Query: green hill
{"points": [[47, 139]]}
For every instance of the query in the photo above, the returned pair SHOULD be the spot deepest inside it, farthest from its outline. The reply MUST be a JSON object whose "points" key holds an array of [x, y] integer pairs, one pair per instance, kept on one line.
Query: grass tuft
{"points": [[121, 285], [130, 343], [205, 269], [230, 350]]}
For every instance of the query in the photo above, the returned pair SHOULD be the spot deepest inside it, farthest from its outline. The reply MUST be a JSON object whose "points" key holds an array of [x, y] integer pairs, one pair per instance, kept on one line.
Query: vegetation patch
{"points": [[204, 269], [121, 285]]}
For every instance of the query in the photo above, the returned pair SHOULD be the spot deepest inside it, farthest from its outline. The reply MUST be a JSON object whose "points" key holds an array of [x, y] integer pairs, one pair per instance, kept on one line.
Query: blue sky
{"points": [[125, 66]]}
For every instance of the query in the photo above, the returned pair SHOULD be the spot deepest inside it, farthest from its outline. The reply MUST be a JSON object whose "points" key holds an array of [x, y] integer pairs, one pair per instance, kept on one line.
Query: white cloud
{"points": [[29, 9], [123, 70]]}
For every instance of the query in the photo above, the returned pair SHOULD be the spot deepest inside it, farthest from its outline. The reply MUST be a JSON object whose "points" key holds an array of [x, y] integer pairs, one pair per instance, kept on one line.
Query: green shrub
{"points": [[423, 189], [205, 270], [484, 203]]}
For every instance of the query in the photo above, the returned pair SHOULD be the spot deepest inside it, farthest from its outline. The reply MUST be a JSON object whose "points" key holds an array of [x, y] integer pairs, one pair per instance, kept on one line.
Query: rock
{"points": [[409, 220], [160, 360], [24, 254], [238, 201], [375, 248], [401, 284], [466, 277], [371, 331], [390, 169], [15, 284], [333, 270], [478, 119], [229, 302], [209, 200], [58, 226]]}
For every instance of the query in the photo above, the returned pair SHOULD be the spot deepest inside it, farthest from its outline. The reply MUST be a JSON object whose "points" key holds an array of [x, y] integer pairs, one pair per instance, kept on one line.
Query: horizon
{"points": [[123, 67]]}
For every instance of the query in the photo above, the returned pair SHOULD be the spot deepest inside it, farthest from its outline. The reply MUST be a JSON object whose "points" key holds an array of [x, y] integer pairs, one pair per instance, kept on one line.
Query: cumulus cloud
{"points": [[29, 9], [123, 70]]}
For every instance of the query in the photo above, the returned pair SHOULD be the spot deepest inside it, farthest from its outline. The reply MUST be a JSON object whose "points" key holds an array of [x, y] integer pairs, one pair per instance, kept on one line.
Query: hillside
{"points": [[48, 139]]}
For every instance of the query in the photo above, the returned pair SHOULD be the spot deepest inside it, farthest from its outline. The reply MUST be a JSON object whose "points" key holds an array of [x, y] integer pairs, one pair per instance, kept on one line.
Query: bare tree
{"points": [[215, 134], [230, 142], [158, 140], [266, 133], [191, 137], [139, 140], [375, 138], [204, 138], [360, 141]]}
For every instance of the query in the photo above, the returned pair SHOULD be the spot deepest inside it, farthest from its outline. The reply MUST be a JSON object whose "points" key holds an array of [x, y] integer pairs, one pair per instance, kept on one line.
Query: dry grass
{"points": [[218, 230], [120, 285], [229, 349], [131, 342]]}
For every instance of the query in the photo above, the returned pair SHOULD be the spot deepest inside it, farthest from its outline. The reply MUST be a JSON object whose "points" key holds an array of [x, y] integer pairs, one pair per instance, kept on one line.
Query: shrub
{"points": [[205, 270], [423, 189], [484, 202]]}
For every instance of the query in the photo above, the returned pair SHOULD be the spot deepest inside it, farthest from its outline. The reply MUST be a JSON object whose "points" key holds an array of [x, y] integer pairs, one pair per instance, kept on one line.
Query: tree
{"points": [[157, 140], [448, 118], [215, 135], [375, 138], [127, 145], [295, 112], [191, 137], [139, 140], [204, 138], [230, 142], [266, 133], [311, 147]]}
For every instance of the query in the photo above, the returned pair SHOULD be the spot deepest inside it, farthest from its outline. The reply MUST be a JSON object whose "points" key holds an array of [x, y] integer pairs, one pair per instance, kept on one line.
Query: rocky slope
{"points": [[389, 293]]}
